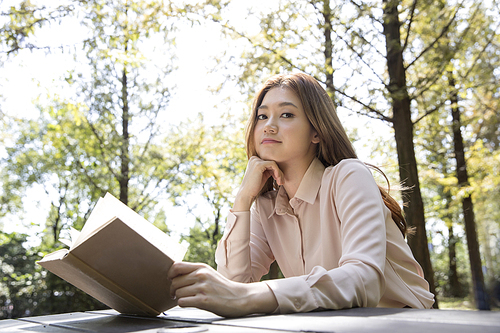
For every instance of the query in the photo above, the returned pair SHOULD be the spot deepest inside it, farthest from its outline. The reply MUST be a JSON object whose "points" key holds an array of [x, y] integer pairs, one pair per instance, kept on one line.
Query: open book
{"points": [[120, 259]]}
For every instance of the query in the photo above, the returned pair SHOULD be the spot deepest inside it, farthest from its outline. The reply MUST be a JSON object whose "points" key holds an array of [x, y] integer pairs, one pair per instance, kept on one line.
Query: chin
{"points": [[267, 157]]}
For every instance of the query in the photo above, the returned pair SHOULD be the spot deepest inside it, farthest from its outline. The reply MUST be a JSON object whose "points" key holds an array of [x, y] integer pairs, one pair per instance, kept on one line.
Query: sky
{"points": [[32, 75]]}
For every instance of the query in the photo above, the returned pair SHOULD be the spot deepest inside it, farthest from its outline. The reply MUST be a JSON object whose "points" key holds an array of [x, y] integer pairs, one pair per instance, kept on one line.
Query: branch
{"points": [[373, 18], [431, 45], [428, 112], [488, 43], [412, 15], [151, 125], [102, 146], [224, 25], [429, 84], [360, 56], [90, 179], [378, 115], [19, 33]]}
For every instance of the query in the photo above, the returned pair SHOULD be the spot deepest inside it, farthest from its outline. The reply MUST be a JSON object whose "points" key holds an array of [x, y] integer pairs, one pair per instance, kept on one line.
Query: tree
{"points": [[341, 44], [17, 275], [218, 164], [468, 207], [469, 62], [403, 131], [107, 136], [22, 20], [438, 184], [27, 290]]}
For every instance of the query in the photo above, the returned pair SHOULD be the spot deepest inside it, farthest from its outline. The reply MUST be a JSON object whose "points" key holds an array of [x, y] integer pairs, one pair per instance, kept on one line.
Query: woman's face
{"points": [[282, 131]]}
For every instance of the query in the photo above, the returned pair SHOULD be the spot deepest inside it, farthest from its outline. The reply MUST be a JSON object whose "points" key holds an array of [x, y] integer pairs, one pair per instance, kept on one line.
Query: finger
{"points": [[191, 290], [199, 301], [182, 268], [186, 283], [275, 171], [254, 158], [278, 175], [181, 281]]}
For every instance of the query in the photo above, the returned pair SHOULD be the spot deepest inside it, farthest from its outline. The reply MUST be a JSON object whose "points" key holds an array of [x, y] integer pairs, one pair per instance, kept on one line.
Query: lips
{"points": [[268, 140]]}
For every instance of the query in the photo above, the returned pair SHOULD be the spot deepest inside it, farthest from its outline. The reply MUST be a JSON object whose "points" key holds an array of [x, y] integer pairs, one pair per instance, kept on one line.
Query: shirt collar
{"points": [[311, 182], [307, 191]]}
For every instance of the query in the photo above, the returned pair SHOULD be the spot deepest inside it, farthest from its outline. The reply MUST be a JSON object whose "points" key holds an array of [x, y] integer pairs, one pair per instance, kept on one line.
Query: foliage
{"points": [[202, 242], [17, 275], [27, 290], [20, 22], [103, 131], [341, 43], [106, 137], [219, 162], [469, 73]]}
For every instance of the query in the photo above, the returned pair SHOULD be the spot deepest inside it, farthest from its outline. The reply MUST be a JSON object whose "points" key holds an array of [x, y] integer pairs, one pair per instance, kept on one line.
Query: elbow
{"points": [[374, 289]]}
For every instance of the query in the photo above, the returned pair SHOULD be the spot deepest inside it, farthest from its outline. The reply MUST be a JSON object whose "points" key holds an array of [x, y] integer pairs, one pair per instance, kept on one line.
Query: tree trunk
{"points": [[454, 283], [480, 295], [124, 157], [403, 129], [327, 32], [215, 233]]}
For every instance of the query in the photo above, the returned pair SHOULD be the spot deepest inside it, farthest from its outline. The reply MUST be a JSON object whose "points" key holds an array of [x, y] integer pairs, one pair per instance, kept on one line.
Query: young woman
{"points": [[307, 202]]}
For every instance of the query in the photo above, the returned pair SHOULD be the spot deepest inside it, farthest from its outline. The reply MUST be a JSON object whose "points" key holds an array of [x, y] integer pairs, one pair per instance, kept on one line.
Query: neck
{"points": [[293, 174]]}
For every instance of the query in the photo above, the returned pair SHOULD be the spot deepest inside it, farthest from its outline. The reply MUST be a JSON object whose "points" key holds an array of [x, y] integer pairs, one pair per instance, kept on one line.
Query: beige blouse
{"points": [[335, 242]]}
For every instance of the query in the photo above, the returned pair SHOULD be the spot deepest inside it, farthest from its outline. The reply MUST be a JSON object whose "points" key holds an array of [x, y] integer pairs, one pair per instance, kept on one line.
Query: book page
{"points": [[57, 255]]}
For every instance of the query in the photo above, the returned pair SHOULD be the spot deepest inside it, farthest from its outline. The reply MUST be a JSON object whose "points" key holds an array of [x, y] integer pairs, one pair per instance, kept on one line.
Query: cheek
{"points": [[255, 139]]}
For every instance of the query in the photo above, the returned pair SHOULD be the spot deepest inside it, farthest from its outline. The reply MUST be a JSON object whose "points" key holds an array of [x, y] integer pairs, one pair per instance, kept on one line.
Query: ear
{"points": [[315, 138]]}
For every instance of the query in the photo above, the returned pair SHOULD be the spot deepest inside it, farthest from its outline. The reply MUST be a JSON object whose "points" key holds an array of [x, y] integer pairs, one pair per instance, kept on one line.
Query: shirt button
{"points": [[296, 304]]}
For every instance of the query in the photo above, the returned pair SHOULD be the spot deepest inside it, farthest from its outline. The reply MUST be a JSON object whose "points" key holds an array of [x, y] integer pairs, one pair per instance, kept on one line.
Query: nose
{"points": [[270, 126]]}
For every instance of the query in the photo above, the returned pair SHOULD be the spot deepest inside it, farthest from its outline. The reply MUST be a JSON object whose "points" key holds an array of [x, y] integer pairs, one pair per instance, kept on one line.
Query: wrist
{"points": [[242, 203], [260, 298]]}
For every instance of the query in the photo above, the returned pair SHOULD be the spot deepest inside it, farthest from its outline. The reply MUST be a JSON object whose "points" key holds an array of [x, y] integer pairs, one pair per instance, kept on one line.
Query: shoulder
{"points": [[347, 167], [349, 174], [265, 201]]}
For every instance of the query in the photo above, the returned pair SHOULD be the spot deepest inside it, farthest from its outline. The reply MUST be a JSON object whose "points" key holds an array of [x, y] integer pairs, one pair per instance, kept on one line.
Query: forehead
{"points": [[278, 95]]}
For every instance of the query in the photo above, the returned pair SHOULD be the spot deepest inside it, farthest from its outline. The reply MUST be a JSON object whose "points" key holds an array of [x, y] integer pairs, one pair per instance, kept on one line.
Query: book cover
{"points": [[120, 259]]}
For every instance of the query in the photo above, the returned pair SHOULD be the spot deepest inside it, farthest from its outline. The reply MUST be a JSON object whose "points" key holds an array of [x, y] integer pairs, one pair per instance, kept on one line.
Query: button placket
{"points": [[289, 212]]}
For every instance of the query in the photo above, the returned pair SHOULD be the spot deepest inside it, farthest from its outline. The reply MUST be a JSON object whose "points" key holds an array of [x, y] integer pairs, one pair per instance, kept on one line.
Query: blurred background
{"points": [[148, 100]]}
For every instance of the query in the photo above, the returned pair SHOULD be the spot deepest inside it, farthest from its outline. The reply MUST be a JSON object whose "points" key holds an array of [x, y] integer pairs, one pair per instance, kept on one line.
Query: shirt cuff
{"points": [[234, 230], [293, 294], [239, 230]]}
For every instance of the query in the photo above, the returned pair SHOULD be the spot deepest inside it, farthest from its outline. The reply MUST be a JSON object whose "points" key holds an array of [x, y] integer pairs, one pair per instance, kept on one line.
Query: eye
{"points": [[261, 117], [287, 115]]}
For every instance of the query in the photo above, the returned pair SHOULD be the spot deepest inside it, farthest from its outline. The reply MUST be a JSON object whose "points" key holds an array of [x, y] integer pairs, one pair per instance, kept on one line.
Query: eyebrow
{"points": [[282, 104]]}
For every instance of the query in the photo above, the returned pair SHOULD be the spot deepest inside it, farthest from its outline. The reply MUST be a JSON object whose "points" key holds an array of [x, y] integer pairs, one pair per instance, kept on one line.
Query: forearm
{"points": [[260, 299], [198, 285], [242, 203]]}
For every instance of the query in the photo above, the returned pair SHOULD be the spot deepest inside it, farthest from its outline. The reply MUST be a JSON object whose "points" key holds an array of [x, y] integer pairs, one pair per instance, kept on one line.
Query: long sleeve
{"points": [[243, 254], [358, 280], [335, 242]]}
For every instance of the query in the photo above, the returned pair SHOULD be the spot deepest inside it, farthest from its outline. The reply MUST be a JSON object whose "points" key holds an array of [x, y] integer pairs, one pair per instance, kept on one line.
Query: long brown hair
{"points": [[334, 145]]}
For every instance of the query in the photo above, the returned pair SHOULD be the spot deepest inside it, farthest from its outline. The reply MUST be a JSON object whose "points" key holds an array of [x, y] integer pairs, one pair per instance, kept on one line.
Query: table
{"points": [[193, 320]]}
